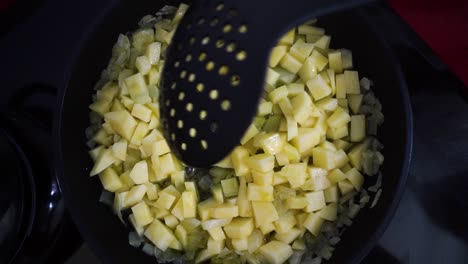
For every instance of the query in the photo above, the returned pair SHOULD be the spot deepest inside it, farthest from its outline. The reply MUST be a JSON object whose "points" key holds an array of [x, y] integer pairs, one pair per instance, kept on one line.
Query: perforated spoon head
{"points": [[214, 74]]}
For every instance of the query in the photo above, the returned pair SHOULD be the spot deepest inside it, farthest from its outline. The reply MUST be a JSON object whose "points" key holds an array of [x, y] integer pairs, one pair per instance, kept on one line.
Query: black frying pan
{"points": [[103, 231]]}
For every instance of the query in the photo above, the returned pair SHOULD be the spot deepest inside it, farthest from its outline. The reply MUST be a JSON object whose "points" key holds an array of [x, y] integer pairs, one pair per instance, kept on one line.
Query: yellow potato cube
{"points": [[240, 244], [295, 173], [276, 252], [313, 223], [277, 54], [264, 213], [152, 191], [340, 86], [178, 210], [308, 70], [181, 235], [345, 187], [272, 77], [292, 153], [285, 223], [141, 112], [140, 132], [168, 164], [160, 213], [122, 123], [126, 180], [230, 187], [281, 159], [261, 162], [291, 64], [339, 118], [319, 180], [273, 143], [318, 87], [134, 195], [319, 61], [336, 175], [159, 234], [305, 141], [217, 233], [298, 244], [101, 106], [239, 156], [175, 244], [217, 192], [139, 173], [204, 208], [358, 128], [239, 228], [298, 202], [278, 179], [301, 50], [277, 94], [292, 127], [337, 133], [153, 52], [215, 246], [143, 64], [341, 158], [252, 130], [137, 88], [355, 102], [189, 202], [110, 180], [119, 149], [334, 60], [310, 30], [355, 154], [302, 106], [225, 211], [171, 221], [288, 38], [331, 194], [289, 236], [260, 193], [355, 177], [262, 178], [327, 104], [140, 230], [352, 82], [177, 179], [323, 158], [329, 212], [265, 108], [316, 201], [267, 228], [245, 208], [166, 200], [142, 214]]}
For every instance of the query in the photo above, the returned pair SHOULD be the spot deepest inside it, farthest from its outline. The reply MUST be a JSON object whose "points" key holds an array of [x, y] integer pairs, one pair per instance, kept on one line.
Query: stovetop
{"points": [[430, 223]]}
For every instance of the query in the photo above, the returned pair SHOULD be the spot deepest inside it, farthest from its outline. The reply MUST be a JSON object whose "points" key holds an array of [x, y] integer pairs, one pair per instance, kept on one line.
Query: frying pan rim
{"points": [[367, 245]]}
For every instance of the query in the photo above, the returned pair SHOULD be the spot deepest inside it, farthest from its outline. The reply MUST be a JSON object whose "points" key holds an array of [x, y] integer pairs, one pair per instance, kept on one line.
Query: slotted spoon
{"points": [[215, 70]]}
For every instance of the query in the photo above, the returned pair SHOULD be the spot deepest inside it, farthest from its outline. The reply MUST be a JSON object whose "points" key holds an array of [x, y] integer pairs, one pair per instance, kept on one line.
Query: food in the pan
{"points": [[286, 193]]}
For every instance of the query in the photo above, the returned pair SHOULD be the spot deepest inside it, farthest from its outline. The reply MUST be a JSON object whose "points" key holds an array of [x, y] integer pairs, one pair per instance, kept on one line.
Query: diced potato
{"points": [[334, 59], [249, 134], [305, 141], [308, 70], [239, 228], [119, 149], [346, 58], [352, 82], [126, 180], [313, 223], [152, 191], [355, 102], [336, 175], [204, 208], [337, 133], [356, 153], [302, 107], [134, 196], [254, 241], [143, 64], [260, 193], [319, 179], [323, 158], [94, 153], [356, 178], [262, 178], [153, 52], [140, 132], [181, 235], [217, 233], [277, 94], [328, 104], [177, 179], [278, 179], [217, 192], [175, 244], [329, 212], [264, 213], [139, 173], [230, 187], [272, 77], [290, 63], [331, 194], [288, 38], [281, 159], [166, 200], [261, 162], [310, 30], [225, 211], [178, 210], [298, 244], [159, 234], [340, 86], [140, 230], [288, 237], [265, 108], [103, 161], [295, 173], [276, 252], [295, 89], [318, 87], [122, 123], [358, 128], [142, 214], [339, 118], [292, 127], [345, 187], [240, 244], [160, 213], [276, 55], [141, 112], [101, 106], [301, 50], [110, 180], [215, 246], [239, 156], [168, 164], [298, 202], [341, 144], [137, 88], [267, 228], [285, 223], [189, 202], [316, 201]]}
